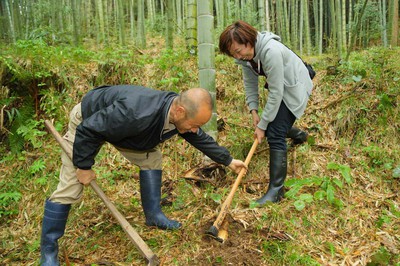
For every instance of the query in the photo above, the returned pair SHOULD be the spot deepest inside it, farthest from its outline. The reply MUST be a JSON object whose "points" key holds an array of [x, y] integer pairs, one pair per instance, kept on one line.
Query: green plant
{"points": [[327, 186], [331, 248], [7, 202], [37, 166], [383, 219], [22, 115], [216, 197], [135, 202], [31, 132], [301, 259], [381, 257], [179, 203], [176, 73], [219, 260], [51, 103], [396, 172], [385, 102], [12, 114], [376, 154], [274, 251], [297, 184], [42, 179], [7, 157], [344, 170], [388, 216]]}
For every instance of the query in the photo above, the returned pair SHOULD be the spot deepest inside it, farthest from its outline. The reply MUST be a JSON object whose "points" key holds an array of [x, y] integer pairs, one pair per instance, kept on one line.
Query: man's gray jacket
{"points": [[132, 117]]}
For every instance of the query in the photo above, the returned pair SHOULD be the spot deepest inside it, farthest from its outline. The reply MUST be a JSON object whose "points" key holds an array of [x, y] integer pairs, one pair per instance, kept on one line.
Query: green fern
{"points": [[17, 141]]}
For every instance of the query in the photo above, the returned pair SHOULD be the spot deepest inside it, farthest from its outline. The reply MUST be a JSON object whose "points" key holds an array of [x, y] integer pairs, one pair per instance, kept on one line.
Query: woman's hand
{"points": [[85, 176], [259, 134], [256, 118]]}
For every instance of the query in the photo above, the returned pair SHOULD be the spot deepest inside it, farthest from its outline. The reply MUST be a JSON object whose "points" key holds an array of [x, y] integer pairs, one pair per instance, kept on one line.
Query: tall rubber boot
{"points": [[277, 176], [53, 227], [298, 136], [150, 192]]}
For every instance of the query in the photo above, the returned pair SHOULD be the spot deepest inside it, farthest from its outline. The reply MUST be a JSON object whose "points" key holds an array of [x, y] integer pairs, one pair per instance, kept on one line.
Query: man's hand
{"points": [[237, 166], [85, 176]]}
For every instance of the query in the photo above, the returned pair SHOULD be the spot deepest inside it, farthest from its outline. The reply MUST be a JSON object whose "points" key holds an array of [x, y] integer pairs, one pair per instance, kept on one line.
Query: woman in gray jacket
{"points": [[289, 86]]}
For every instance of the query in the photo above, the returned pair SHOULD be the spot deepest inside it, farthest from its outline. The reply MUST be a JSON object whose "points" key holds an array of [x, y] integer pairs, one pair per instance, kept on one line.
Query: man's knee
{"points": [[154, 162]]}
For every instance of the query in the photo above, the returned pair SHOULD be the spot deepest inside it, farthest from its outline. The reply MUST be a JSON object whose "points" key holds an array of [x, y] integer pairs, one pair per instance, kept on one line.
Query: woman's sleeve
{"points": [[274, 69], [250, 80]]}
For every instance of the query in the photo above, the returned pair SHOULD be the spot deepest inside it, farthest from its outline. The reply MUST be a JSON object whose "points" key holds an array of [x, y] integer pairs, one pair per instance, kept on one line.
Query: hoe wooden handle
{"points": [[226, 205], [126, 226]]}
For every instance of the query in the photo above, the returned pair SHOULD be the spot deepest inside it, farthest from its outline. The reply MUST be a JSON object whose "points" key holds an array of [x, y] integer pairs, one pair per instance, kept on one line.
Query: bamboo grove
{"points": [[307, 26]]}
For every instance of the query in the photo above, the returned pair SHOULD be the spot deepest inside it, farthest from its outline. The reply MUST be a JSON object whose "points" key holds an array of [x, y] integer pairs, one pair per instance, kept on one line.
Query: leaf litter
{"points": [[276, 234]]}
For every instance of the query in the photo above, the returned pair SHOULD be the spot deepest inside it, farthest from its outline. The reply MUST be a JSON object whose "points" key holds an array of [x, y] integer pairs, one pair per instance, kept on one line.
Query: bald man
{"points": [[135, 120]]}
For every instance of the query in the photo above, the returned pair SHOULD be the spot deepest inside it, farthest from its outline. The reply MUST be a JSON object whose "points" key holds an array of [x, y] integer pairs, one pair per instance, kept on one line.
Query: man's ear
{"points": [[180, 112]]}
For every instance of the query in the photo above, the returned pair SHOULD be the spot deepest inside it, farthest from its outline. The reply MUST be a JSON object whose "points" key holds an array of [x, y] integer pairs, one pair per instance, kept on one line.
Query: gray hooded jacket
{"points": [[288, 78]]}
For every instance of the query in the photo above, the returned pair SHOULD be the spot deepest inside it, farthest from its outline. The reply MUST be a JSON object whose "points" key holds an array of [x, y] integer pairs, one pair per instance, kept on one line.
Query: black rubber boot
{"points": [[150, 192], [53, 227], [298, 136], [277, 176]]}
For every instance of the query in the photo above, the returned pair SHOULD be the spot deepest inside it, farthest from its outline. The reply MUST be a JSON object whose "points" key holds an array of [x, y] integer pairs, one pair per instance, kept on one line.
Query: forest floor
{"points": [[342, 203]]}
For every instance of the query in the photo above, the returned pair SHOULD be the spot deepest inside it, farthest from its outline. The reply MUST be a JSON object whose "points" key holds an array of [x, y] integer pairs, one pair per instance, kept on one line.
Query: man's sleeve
{"points": [[86, 146], [207, 145], [109, 124]]}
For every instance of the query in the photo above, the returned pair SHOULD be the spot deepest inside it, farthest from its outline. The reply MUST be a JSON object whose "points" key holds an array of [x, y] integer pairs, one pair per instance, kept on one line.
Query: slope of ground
{"points": [[342, 203]]}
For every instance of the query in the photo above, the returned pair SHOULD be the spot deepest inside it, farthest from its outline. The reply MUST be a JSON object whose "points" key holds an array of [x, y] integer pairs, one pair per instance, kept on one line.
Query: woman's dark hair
{"points": [[240, 32]]}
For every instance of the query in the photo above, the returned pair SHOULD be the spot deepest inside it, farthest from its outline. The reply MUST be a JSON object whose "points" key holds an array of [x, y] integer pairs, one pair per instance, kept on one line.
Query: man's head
{"points": [[191, 109], [238, 40]]}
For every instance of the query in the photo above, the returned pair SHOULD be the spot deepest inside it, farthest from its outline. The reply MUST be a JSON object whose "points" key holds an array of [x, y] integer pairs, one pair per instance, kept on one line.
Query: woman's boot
{"points": [[150, 192], [298, 136], [277, 176], [53, 227]]}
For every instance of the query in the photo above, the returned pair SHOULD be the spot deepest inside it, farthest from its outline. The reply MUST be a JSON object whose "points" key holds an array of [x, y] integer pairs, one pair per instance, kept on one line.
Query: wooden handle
{"points": [[225, 206], [126, 226]]}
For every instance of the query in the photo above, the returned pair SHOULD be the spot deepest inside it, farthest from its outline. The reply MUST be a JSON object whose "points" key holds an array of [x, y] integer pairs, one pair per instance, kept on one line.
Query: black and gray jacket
{"points": [[132, 117]]}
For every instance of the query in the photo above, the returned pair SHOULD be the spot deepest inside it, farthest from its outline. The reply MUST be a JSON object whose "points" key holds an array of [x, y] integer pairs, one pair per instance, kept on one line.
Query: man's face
{"points": [[184, 124], [242, 51]]}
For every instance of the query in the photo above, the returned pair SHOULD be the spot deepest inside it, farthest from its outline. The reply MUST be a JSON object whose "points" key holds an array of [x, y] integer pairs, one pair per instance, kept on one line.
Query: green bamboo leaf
{"points": [[37, 166], [253, 204], [332, 166], [338, 182], [316, 180], [356, 78], [292, 192], [346, 173], [330, 193], [10, 196], [299, 205], [319, 195], [292, 182], [338, 203], [395, 210], [396, 172], [303, 182], [344, 170], [306, 197], [216, 197]]}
